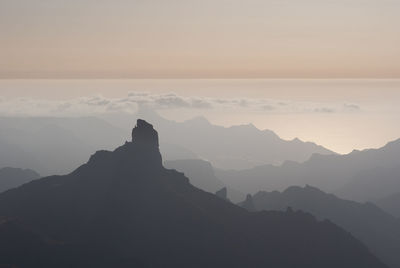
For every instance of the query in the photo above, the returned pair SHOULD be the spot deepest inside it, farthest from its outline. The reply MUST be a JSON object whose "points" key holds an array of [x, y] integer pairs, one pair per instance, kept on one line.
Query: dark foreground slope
{"points": [[124, 209], [379, 230]]}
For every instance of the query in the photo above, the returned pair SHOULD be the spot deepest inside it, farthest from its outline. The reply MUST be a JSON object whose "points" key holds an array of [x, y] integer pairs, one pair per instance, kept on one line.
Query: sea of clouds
{"points": [[98, 104]]}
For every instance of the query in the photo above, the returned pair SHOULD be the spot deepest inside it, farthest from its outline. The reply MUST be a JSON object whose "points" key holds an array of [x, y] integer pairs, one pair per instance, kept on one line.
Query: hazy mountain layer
{"points": [[373, 184], [14, 177], [35, 142], [235, 147], [201, 175], [390, 204], [347, 175], [53, 145], [199, 172], [124, 209]]}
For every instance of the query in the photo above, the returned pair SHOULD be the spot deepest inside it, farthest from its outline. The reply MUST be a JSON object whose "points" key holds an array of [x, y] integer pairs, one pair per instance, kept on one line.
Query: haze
{"points": [[223, 38], [200, 133], [341, 115]]}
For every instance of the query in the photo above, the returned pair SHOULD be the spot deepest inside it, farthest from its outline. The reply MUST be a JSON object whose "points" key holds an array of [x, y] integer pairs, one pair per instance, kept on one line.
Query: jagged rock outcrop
{"points": [[144, 133], [124, 209]]}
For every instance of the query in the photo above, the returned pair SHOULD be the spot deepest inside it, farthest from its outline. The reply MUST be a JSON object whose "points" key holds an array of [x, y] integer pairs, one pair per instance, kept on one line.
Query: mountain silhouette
{"points": [[372, 184], [124, 209], [14, 177], [361, 175], [201, 175], [235, 147], [35, 142], [376, 228], [51, 145]]}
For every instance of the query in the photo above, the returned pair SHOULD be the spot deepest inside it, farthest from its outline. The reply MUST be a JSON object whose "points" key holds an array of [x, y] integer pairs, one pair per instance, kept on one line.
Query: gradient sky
{"points": [[202, 38]]}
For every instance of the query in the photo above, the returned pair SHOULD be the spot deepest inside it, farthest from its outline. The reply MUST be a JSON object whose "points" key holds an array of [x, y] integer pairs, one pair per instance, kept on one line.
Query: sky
{"points": [[160, 49], [341, 115], [199, 39]]}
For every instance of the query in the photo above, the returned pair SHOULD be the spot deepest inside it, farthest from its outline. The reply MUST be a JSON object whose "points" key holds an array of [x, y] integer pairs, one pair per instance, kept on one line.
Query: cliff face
{"points": [[124, 209], [144, 133]]}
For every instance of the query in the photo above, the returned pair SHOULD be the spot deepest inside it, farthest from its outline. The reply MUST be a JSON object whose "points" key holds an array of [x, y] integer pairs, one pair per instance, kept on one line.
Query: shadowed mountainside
{"points": [[201, 175], [199, 172], [376, 228], [124, 209]]}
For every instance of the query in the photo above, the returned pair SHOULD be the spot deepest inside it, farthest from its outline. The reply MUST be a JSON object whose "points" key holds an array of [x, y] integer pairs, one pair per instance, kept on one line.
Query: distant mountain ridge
{"points": [[35, 142], [124, 209], [349, 175], [234, 147], [390, 204], [372, 184], [201, 175]]}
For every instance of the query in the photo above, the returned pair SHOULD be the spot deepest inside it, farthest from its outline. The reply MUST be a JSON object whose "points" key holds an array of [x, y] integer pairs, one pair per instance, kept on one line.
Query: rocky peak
{"points": [[142, 153], [144, 133]]}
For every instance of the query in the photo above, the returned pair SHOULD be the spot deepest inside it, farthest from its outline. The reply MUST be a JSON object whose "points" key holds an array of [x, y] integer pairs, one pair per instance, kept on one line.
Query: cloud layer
{"points": [[93, 105]]}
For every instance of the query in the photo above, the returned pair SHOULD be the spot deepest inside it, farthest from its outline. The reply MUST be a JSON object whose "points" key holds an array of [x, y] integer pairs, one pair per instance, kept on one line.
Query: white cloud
{"points": [[324, 110], [351, 106]]}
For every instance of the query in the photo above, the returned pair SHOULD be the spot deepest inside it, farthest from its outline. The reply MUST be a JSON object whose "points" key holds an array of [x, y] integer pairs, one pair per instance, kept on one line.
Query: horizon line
{"points": [[198, 78]]}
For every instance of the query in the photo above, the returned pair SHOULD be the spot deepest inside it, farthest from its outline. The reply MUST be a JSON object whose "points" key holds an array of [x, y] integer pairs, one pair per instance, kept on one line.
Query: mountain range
{"points": [[361, 175], [201, 174], [235, 147], [53, 145], [35, 142], [124, 209], [379, 230], [390, 203]]}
